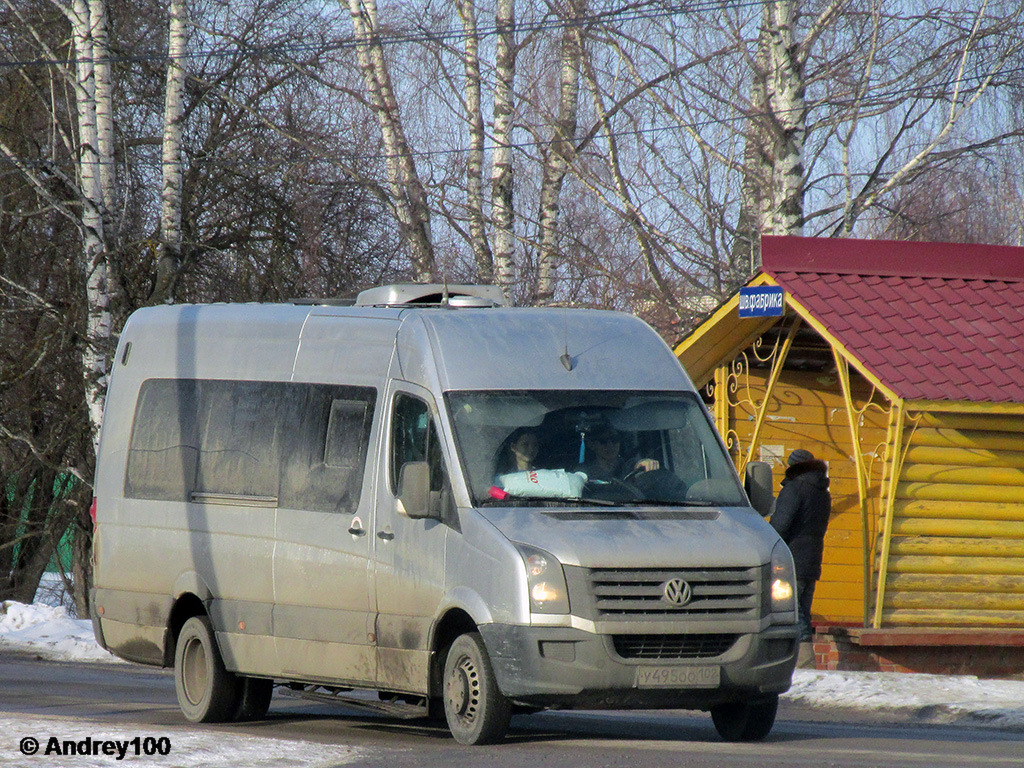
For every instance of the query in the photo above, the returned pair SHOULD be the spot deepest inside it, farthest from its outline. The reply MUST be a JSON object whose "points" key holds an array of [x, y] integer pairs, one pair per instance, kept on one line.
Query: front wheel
{"points": [[207, 692], [476, 711], [745, 721]]}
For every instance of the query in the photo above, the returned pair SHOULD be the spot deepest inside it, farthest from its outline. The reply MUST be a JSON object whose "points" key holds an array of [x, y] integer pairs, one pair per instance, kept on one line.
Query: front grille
{"points": [[729, 593], [672, 646]]}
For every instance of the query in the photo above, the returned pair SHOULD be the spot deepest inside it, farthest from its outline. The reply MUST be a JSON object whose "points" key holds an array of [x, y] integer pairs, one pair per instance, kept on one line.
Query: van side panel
{"points": [[144, 547]]}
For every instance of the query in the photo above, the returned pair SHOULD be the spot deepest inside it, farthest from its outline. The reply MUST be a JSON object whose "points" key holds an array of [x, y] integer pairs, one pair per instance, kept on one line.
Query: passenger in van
{"points": [[518, 451], [603, 461]]}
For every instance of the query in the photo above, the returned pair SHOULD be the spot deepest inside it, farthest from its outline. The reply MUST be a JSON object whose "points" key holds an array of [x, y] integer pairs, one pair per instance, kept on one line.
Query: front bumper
{"points": [[567, 667]]}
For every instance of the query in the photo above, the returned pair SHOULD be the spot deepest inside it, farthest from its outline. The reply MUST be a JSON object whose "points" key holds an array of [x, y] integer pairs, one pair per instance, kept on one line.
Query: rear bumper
{"points": [[96, 628]]}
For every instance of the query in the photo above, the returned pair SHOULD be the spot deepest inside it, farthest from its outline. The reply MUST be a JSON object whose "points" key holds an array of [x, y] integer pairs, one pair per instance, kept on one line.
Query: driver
{"points": [[603, 462]]}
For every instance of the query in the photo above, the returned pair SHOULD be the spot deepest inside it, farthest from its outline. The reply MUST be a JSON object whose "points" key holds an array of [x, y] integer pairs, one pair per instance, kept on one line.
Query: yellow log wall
{"points": [[957, 549], [808, 411]]}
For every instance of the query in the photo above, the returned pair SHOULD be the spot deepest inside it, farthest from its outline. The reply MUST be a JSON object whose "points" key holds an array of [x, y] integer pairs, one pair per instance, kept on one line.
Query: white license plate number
{"points": [[678, 677]]}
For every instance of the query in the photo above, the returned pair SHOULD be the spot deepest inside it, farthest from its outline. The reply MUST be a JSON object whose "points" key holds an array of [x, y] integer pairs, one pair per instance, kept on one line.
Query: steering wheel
{"points": [[614, 489]]}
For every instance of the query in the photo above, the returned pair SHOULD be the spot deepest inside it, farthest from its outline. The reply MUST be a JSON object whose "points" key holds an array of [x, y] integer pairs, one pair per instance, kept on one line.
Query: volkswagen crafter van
{"points": [[322, 498]]}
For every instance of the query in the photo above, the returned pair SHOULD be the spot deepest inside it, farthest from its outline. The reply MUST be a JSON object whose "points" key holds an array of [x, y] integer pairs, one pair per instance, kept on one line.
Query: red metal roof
{"points": [[932, 321]]}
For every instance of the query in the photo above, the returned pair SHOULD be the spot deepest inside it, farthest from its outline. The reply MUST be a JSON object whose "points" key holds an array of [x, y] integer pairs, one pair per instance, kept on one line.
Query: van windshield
{"points": [[599, 447]]}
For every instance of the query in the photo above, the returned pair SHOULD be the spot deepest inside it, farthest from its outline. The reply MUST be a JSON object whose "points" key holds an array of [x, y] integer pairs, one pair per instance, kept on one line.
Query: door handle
{"points": [[357, 531], [385, 535]]}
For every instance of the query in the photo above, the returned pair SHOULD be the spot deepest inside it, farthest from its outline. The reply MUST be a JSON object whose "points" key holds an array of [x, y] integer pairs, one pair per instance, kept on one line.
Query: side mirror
{"points": [[414, 490], [757, 482]]}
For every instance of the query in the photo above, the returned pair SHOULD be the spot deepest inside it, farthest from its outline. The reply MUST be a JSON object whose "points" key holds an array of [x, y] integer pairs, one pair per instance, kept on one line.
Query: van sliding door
{"points": [[323, 605]]}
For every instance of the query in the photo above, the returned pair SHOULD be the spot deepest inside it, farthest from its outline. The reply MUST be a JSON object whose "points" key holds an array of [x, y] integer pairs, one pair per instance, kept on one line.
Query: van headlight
{"points": [[782, 589], [545, 581]]}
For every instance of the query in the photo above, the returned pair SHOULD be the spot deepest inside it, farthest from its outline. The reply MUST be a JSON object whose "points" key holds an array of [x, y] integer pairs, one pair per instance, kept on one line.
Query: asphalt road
{"points": [[130, 695]]}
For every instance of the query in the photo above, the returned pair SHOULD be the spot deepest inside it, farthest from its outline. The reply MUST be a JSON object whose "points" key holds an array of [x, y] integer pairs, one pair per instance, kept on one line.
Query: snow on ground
{"points": [[960, 699], [59, 742], [50, 633]]}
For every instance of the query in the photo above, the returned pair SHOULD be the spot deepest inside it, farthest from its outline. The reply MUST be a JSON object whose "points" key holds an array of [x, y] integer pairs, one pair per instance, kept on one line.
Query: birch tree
{"points": [[169, 254], [805, 119], [703, 129], [502, 176], [94, 108], [558, 154], [408, 196], [271, 210], [476, 134], [83, 198]]}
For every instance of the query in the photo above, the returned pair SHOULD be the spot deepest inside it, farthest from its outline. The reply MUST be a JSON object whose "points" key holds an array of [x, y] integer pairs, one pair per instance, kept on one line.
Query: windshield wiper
{"points": [[544, 501], [670, 503]]}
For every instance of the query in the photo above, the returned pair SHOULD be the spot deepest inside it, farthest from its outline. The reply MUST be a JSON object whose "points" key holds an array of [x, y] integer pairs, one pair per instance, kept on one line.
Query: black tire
{"points": [[745, 721], [207, 692], [254, 695], [476, 711]]}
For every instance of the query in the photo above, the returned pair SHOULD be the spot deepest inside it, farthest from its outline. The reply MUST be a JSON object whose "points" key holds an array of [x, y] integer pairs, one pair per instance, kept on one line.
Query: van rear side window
{"points": [[301, 446]]}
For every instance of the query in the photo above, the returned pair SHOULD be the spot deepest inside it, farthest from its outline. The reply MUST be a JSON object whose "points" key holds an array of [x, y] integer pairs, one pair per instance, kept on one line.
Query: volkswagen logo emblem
{"points": [[676, 592]]}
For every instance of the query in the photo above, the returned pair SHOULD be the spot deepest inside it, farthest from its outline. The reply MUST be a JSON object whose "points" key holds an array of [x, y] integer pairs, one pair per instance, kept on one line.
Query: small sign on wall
{"points": [[766, 301], [775, 455]]}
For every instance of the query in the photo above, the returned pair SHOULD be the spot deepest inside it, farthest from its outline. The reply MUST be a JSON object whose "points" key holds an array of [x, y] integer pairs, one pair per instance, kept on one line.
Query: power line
{"points": [[625, 12], [875, 100], [629, 12]]}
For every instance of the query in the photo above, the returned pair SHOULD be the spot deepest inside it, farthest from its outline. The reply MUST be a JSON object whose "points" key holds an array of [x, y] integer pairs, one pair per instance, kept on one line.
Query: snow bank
{"points": [[932, 698], [48, 632]]}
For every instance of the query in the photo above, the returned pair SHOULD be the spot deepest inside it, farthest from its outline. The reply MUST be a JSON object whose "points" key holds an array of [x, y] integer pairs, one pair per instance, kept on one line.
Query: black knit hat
{"points": [[799, 456]]}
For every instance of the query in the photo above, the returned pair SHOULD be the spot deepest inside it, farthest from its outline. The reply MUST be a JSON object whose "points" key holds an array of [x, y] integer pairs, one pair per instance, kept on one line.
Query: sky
{"points": [[50, 633]]}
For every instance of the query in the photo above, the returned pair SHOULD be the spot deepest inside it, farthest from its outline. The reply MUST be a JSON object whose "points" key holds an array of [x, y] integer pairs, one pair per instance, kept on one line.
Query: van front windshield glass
{"points": [[535, 447]]}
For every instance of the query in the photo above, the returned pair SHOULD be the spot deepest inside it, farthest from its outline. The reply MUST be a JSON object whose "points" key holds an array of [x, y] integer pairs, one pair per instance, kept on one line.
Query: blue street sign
{"points": [[761, 302]]}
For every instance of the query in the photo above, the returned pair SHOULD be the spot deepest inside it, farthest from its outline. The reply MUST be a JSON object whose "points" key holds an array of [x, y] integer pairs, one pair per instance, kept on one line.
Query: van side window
{"points": [[238, 431], [303, 445], [324, 456], [165, 441], [345, 423]]}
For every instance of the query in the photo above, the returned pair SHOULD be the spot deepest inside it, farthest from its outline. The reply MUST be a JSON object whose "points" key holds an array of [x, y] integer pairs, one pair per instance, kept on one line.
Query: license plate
{"points": [[678, 677]]}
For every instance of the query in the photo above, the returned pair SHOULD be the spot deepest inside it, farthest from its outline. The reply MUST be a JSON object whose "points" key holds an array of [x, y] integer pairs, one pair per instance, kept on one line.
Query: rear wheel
{"points": [[207, 692], [476, 711], [746, 721], [253, 698]]}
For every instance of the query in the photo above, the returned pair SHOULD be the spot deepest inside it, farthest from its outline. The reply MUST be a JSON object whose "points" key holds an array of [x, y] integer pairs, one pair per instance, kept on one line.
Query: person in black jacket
{"points": [[801, 516]]}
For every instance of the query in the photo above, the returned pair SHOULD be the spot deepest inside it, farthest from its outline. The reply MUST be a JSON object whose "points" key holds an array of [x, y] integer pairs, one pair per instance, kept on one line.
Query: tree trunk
{"points": [[104, 114], [502, 179], [475, 158], [785, 92], [407, 192], [94, 250], [754, 216], [560, 152], [169, 255]]}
